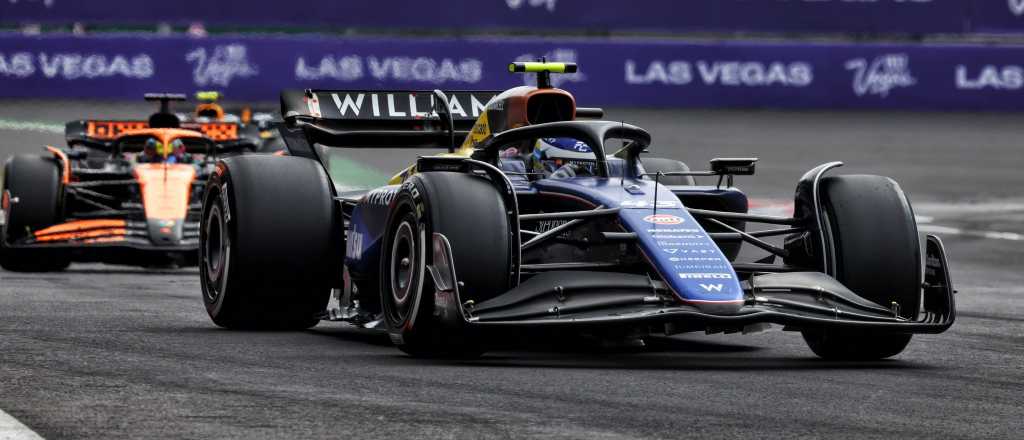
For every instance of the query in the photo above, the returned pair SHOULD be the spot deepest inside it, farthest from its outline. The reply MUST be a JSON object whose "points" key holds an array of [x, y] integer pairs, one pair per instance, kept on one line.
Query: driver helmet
{"points": [[208, 109], [157, 151], [552, 154], [149, 153]]}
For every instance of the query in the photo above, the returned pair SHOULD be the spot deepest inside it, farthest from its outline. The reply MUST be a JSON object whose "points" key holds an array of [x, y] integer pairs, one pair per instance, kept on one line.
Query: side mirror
{"points": [[733, 166]]}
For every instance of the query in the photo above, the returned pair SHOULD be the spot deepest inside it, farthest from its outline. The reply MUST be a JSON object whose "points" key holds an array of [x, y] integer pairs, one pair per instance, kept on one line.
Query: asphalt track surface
{"points": [[112, 352]]}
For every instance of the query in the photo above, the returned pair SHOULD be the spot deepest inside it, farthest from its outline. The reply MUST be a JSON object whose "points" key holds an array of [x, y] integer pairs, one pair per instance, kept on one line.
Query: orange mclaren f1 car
{"points": [[122, 192]]}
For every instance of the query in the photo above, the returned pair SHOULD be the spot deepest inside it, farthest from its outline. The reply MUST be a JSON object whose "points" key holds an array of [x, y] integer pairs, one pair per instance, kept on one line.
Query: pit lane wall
{"points": [[614, 72], [786, 16]]}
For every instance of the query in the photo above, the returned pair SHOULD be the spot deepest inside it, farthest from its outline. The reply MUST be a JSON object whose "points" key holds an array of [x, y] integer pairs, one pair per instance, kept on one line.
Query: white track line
{"points": [[41, 127], [12, 429], [785, 208], [936, 229]]}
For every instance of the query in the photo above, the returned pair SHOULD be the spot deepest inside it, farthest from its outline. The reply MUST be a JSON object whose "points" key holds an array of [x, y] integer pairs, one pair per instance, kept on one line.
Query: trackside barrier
{"points": [[628, 72], [818, 16]]}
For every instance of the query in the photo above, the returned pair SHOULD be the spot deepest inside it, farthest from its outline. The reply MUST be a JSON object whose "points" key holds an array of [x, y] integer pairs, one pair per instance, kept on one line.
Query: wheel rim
{"points": [[216, 252], [403, 263]]}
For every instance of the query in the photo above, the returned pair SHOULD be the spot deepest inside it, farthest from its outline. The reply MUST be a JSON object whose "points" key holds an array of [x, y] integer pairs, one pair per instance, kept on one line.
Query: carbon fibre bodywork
{"points": [[611, 250]]}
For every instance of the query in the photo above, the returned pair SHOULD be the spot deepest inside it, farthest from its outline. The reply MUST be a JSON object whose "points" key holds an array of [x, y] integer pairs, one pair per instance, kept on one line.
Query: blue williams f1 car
{"points": [[542, 217]]}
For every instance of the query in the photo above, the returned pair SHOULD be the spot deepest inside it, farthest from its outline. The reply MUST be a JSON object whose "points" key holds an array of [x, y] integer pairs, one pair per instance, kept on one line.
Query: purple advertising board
{"points": [[613, 72], [858, 16], [997, 16]]}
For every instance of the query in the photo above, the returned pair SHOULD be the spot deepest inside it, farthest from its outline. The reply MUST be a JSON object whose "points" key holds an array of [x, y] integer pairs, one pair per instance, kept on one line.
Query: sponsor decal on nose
{"points": [[705, 276], [663, 219]]}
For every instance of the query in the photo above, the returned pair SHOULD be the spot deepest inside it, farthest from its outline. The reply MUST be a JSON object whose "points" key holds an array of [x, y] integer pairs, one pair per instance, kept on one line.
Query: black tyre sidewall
{"points": [[277, 214], [214, 289], [403, 320], [36, 182], [471, 215], [877, 253]]}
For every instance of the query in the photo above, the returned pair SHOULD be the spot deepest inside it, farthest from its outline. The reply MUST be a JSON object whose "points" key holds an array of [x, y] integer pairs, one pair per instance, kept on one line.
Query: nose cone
{"points": [[165, 232]]}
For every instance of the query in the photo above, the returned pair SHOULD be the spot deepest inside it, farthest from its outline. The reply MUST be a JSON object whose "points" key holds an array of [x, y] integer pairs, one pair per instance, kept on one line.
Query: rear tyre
{"points": [[33, 195], [878, 256], [661, 165], [471, 214], [267, 243]]}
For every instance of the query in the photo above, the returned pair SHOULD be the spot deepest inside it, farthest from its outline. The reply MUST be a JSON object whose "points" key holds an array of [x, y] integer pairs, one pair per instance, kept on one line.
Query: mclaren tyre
{"points": [[32, 200], [268, 246], [877, 255], [467, 212]]}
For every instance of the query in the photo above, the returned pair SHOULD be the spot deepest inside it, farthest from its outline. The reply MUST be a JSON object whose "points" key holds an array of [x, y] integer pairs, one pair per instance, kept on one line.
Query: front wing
{"points": [[108, 233], [796, 300]]}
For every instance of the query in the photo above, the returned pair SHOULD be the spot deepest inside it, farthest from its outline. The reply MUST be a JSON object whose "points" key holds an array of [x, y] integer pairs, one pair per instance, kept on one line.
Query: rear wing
{"points": [[379, 119], [102, 133]]}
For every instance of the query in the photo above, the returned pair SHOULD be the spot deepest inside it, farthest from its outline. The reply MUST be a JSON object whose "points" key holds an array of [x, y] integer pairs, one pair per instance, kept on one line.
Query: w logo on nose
{"points": [[1017, 7], [712, 287]]}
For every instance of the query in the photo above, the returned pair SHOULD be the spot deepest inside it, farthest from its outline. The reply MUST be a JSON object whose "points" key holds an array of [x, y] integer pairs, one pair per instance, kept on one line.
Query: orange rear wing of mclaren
{"points": [[98, 132]]}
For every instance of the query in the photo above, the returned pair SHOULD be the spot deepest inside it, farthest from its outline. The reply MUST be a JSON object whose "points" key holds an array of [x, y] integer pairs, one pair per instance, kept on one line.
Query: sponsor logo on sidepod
{"points": [[663, 219]]}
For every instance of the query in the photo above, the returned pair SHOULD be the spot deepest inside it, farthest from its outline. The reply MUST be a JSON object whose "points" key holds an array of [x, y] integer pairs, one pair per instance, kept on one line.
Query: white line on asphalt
{"points": [[999, 206], [12, 429], [42, 127], [995, 235], [924, 222]]}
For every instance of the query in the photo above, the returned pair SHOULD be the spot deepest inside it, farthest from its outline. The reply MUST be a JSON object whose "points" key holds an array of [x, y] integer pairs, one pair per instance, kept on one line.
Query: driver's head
{"points": [[156, 151], [551, 154], [177, 150], [151, 149]]}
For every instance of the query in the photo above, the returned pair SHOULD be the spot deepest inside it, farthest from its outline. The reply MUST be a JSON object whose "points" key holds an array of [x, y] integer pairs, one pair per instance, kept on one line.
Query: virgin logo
{"points": [[881, 75], [1017, 7], [663, 219], [221, 65], [517, 4]]}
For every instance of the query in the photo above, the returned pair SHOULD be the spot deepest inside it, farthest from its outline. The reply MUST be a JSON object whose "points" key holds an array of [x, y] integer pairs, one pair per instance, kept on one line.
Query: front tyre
{"points": [[33, 199], [877, 256], [470, 213], [268, 245]]}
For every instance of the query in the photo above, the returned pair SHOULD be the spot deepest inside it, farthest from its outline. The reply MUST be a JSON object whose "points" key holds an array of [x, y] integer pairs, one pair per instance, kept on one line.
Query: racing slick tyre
{"points": [[471, 214], [267, 243], [32, 200], [661, 165], [878, 257]]}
